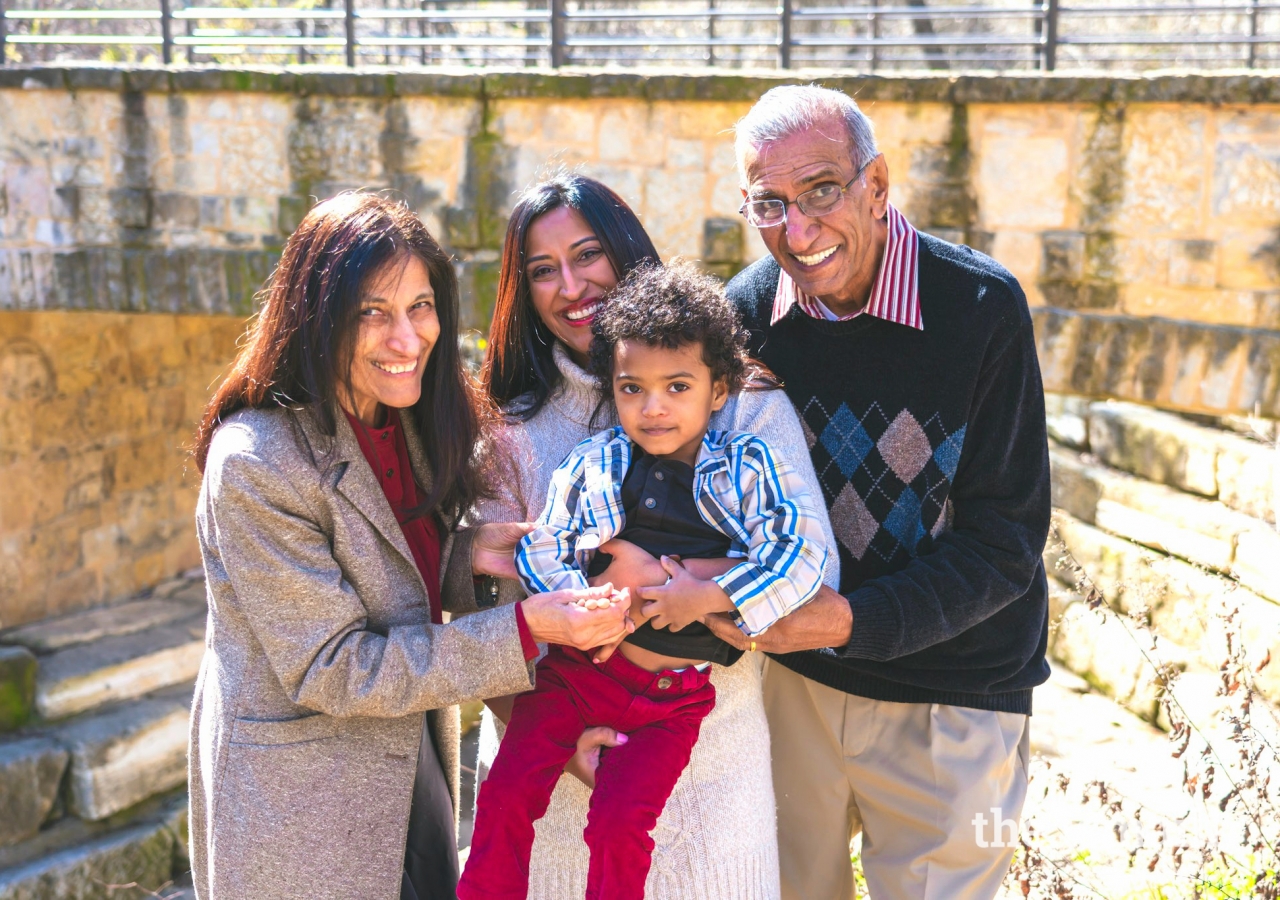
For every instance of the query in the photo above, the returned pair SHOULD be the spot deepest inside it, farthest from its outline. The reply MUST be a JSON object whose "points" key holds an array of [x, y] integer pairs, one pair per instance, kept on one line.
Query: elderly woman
{"points": [[569, 241], [338, 457]]}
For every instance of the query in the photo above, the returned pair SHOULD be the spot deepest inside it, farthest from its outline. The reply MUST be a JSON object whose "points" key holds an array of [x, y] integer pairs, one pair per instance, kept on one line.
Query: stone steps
{"points": [[136, 861], [1204, 532], [120, 667], [1183, 603], [91, 787], [1164, 448]]}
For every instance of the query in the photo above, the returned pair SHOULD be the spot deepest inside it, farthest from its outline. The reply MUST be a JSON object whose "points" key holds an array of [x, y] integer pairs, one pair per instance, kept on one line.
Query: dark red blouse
{"points": [[388, 455]]}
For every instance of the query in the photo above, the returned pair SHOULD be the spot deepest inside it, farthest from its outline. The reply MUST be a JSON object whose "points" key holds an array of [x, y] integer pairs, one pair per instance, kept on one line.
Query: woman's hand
{"points": [[493, 549], [578, 618], [583, 764], [825, 621], [683, 599]]}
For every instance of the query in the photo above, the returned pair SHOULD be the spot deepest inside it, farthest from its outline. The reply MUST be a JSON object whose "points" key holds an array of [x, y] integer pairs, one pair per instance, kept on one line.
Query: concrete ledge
{"points": [[1245, 87]]}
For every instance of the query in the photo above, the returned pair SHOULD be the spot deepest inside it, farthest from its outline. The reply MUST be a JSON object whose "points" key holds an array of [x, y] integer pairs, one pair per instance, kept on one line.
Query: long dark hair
{"points": [[519, 359], [299, 349]]}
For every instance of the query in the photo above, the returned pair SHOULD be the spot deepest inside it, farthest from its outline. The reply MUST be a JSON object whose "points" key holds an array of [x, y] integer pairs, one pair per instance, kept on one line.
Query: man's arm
{"points": [[825, 621]]}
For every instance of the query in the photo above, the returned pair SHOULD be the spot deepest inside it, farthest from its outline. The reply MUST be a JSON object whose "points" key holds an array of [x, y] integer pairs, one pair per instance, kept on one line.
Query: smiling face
{"points": [[665, 397], [398, 328], [568, 275], [834, 257]]}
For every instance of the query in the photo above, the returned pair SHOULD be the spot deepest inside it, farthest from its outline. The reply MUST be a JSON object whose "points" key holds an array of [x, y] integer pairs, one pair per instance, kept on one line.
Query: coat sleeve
{"points": [[312, 625]]}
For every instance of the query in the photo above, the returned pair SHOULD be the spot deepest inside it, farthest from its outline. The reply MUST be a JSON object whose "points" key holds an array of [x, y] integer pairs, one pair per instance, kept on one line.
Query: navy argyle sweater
{"points": [[931, 449]]}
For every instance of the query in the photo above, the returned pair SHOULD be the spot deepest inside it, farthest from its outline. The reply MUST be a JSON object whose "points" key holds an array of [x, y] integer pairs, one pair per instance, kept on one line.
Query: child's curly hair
{"points": [[673, 306]]}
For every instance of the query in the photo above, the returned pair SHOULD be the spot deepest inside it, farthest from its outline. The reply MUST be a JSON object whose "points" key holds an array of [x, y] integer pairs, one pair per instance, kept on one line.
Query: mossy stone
{"points": [[17, 687]]}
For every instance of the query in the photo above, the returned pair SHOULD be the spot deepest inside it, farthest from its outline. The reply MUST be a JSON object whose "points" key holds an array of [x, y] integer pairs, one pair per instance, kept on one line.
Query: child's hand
{"points": [[683, 599]]}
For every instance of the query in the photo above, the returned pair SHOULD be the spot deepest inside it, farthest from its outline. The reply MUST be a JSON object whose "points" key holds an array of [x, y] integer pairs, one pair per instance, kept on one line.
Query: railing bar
{"points": [[536, 15], [96, 39], [209, 12], [891, 12], [256, 40], [933, 40], [630, 15], [85, 14]]}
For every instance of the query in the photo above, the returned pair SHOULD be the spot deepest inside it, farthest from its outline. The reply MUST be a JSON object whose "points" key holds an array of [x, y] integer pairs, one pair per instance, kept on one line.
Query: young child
{"points": [[669, 350]]}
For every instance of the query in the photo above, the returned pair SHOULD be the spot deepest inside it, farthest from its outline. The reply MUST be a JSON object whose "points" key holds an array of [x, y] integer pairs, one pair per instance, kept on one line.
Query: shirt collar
{"points": [[895, 296]]}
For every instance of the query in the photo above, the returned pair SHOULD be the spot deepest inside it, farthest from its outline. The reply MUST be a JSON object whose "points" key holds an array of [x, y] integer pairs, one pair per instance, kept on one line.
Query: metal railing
{"points": [[938, 34]]}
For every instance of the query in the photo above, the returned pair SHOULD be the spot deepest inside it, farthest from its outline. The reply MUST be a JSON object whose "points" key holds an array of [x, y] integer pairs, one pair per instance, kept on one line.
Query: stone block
{"points": [[1180, 601], [132, 207], [1067, 420], [1115, 656], [119, 668], [1012, 194], [30, 774], [124, 756], [17, 687], [1201, 531], [106, 621], [1193, 264], [1062, 256], [1249, 477], [141, 855], [1257, 562], [1156, 446], [178, 820], [182, 210], [723, 241]]}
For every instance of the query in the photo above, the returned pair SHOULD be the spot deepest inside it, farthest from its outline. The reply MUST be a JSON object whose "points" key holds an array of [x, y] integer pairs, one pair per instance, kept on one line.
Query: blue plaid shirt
{"points": [[741, 489]]}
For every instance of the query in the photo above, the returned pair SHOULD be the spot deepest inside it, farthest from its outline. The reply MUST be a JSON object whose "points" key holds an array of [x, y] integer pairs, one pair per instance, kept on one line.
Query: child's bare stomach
{"points": [[655, 662]]}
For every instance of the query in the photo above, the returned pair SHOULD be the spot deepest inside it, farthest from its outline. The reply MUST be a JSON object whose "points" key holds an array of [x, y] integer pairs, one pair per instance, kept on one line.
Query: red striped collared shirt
{"points": [[895, 295]]}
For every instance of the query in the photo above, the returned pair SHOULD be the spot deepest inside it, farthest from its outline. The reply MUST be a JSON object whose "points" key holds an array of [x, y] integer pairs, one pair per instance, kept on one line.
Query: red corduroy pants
{"points": [[659, 712]]}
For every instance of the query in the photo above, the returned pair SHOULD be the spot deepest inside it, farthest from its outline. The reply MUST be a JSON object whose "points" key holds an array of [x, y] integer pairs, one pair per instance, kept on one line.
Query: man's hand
{"points": [[493, 549], [683, 599], [825, 621]]}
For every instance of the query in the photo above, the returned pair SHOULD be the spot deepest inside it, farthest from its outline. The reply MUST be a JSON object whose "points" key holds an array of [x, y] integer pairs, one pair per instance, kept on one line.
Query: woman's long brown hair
{"points": [[299, 349], [519, 359]]}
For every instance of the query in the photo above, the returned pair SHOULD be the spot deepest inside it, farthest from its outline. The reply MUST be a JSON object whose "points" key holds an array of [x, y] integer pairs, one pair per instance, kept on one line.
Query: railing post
{"points": [[711, 33], [350, 22], [875, 35], [1253, 33], [166, 32], [784, 35], [4, 32], [559, 51], [1051, 35]]}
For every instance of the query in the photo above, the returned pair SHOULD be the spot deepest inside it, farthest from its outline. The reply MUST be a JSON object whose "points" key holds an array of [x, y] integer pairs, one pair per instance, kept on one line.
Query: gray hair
{"points": [[790, 109]]}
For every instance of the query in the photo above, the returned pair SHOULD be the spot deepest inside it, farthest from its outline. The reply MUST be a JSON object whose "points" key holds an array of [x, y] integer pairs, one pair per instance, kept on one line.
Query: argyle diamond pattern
{"points": [[886, 477]]}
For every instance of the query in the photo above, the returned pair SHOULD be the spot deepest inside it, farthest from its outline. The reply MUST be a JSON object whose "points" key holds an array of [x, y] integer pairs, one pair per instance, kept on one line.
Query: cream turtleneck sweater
{"points": [[716, 838]]}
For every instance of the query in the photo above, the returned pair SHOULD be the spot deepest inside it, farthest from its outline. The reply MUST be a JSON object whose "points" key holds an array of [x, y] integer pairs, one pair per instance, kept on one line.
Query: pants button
{"points": [[663, 683]]}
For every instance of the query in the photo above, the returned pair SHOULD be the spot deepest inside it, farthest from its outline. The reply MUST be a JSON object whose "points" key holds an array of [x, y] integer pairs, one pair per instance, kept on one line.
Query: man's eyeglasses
{"points": [[821, 200]]}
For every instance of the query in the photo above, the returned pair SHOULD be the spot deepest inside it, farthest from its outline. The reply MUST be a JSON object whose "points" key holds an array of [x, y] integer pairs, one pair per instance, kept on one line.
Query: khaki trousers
{"points": [[912, 777]]}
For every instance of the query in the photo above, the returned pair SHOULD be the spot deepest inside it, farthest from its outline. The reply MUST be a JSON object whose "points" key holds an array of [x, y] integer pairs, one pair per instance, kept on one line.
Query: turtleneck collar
{"points": [[577, 396]]}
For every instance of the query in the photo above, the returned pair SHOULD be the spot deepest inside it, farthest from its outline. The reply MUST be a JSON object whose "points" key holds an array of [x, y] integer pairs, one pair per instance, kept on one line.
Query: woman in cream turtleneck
{"points": [[569, 241]]}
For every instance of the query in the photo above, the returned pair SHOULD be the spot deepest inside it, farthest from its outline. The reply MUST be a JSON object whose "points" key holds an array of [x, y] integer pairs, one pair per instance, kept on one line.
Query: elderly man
{"points": [[913, 366]]}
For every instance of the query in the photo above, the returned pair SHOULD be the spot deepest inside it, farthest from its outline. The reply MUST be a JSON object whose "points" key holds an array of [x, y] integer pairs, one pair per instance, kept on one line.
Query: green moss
{"points": [[17, 687]]}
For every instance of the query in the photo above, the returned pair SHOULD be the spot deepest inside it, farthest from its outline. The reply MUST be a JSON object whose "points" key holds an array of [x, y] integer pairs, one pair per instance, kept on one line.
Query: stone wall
{"points": [[1142, 215]]}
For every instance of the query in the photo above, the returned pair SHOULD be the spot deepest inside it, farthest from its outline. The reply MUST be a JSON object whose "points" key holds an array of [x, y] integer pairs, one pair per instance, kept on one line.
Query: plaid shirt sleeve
{"points": [[786, 551], [546, 558]]}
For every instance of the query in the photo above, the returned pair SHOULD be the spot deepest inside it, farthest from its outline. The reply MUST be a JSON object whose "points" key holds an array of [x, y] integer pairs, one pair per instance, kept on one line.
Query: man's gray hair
{"points": [[790, 109]]}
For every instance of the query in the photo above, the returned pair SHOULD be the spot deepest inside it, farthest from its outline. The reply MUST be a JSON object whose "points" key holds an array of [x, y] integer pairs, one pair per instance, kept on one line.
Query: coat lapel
{"points": [[358, 483]]}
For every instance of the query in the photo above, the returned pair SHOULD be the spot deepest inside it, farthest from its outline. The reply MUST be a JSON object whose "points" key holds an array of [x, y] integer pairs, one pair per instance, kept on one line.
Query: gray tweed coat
{"points": [[320, 662]]}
